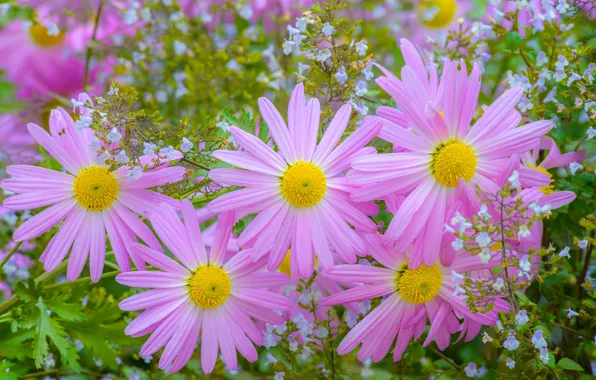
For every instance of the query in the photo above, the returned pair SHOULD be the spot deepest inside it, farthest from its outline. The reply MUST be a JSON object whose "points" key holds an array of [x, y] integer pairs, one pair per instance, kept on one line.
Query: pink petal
{"points": [[225, 222], [236, 177], [277, 127], [152, 298], [258, 148], [245, 198], [43, 221], [263, 298], [153, 315], [151, 279], [245, 160], [29, 201], [159, 260], [58, 248], [333, 133]]}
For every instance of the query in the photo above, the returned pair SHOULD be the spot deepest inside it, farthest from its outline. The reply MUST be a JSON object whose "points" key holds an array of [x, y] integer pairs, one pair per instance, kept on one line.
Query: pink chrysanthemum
{"points": [[411, 295], [428, 19], [36, 61], [299, 192], [89, 198], [202, 293], [16, 144], [447, 157]]}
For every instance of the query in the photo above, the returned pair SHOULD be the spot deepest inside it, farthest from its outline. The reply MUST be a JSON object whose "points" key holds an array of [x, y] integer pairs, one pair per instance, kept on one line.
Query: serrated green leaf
{"points": [[67, 311], [569, 365], [13, 346], [47, 327]]}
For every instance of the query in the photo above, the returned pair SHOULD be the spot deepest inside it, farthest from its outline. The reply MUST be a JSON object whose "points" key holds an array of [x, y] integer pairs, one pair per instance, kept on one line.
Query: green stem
{"points": [[10, 254], [90, 46], [82, 280], [46, 276], [448, 360]]}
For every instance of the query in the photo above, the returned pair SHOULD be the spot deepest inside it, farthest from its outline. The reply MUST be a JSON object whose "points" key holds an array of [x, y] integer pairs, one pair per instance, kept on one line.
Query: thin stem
{"points": [[82, 280], [573, 331], [448, 360], [90, 46], [10, 254], [46, 276]]}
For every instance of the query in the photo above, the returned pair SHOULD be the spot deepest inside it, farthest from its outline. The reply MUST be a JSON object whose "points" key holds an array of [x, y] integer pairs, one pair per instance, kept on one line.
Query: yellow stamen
{"points": [[545, 189], [451, 161], [437, 14], [418, 286], [39, 35], [95, 188], [303, 184], [209, 286]]}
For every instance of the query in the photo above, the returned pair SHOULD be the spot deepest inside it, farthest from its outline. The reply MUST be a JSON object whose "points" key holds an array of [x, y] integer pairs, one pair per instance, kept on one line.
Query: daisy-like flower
{"points": [[446, 157], [89, 198], [411, 295], [202, 293], [16, 144], [299, 193], [36, 59]]}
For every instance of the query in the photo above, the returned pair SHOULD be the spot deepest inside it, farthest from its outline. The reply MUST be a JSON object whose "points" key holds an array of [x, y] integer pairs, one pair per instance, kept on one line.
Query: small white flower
{"points": [[84, 122], [94, 144], [79, 345], [525, 264], [302, 67], [471, 370], [510, 363], [361, 48], [341, 75], [521, 318], [327, 29], [103, 157], [483, 213], [565, 253], [114, 136], [288, 46], [591, 132], [279, 376], [149, 149], [498, 284], [180, 48], [541, 59], [485, 256], [583, 244], [323, 55], [130, 16], [76, 104], [514, 179], [571, 313], [483, 240], [486, 338], [168, 152], [523, 231], [511, 343], [574, 167], [134, 173], [544, 355], [53, 29], [538, 340], [186, 145], [121, 157], [456, 277], [246, 12]]}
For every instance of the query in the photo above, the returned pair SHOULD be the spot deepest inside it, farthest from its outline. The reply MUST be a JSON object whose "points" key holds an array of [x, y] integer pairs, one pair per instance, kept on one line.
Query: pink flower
{"points": [[202, 292], [41, 64], [299, 192], [410, 296], [447, 157], [16, 144], [89, 198], [424, 19]]}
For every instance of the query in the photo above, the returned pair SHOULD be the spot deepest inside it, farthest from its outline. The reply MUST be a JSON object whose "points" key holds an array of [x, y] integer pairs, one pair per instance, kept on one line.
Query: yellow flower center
{"points": [[209, 286], [545, 189], [303, 184], [418, 286], [437, 13], [39, 35], [451, 161], [285, 266], [95, 188]]}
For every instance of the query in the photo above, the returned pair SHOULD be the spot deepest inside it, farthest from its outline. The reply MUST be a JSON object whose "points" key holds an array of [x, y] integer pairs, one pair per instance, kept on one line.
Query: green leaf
{"points": [[13, 346], [47, 327], [514, 40], [67, 311], [569, 365]]}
